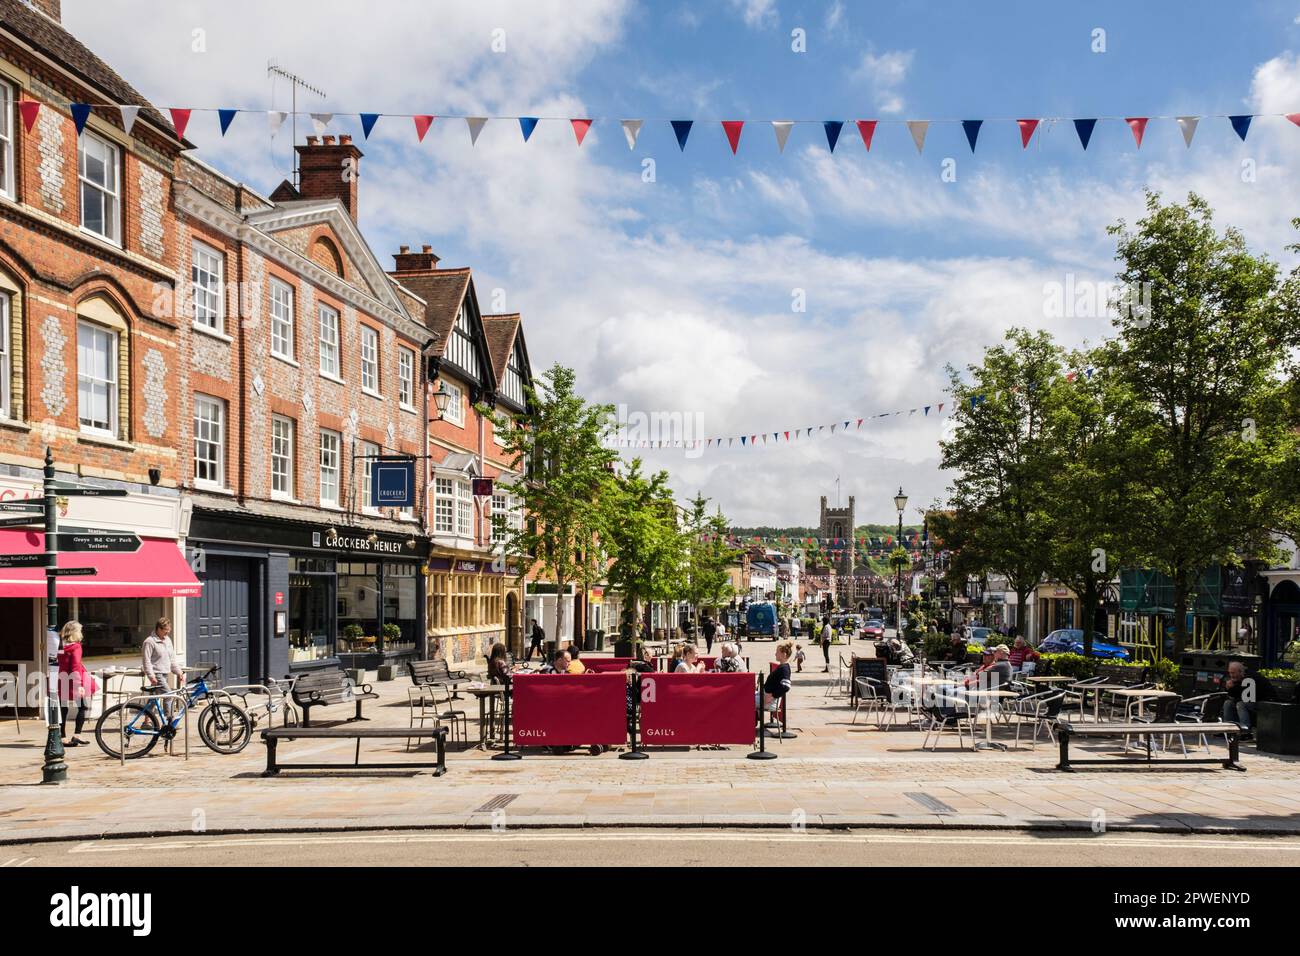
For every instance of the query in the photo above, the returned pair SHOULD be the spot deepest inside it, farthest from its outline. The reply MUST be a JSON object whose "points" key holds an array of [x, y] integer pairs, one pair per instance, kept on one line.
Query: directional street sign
{"points": [[93, 492], [27, 507], [70, 572], [96, 541], [20, 519], [22, 560]]}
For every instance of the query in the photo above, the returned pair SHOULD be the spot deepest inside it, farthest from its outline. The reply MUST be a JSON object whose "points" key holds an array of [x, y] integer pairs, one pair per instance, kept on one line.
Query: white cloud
{"points": [[885, 73], [759, 14]]}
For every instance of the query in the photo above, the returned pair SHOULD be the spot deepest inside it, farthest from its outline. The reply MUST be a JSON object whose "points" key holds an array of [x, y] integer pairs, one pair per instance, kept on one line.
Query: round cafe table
{"points": [[988, 743]]}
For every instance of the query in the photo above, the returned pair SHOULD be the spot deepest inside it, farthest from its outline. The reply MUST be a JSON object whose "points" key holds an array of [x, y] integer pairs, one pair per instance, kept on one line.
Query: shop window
{"points": [[358, 607], [311, 610], [115, 628]]}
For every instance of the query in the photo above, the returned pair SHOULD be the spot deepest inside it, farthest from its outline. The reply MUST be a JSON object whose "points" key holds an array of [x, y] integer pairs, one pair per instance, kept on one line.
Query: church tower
{"points": [[839, 523]]}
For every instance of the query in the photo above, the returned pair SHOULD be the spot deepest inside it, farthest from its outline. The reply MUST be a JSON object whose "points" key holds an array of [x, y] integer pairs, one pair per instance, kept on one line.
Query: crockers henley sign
{"points": [[392, 483], [357, 543]]}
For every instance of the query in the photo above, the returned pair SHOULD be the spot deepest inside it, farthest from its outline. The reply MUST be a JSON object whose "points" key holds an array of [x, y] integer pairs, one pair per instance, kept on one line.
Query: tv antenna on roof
{"points": [[295, 81]]}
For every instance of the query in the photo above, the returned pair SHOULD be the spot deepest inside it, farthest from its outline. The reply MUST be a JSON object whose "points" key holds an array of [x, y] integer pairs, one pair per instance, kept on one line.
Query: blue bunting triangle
{"points": [[1084, 128], [1241, 124], [682, 129], [833, 128], [226, 117], [80, 113], [368, 121], [526, 125], [972, 128]]}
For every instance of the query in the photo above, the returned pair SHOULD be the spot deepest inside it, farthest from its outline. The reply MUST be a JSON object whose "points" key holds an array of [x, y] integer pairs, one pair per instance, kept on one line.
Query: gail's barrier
{"points": [[697, 709], [569, 710], [606, 665]]}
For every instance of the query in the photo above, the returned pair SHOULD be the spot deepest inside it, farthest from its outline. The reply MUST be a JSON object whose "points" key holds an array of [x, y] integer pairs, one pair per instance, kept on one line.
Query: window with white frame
{"points": [[455, 412], [97, 172], [330, 443], [206, 273], [453, 507], [97, 394], [282, 456], [369, 359], [512, 387], [500, 516], [406, 377], [329, 341], [7, 140], [368, 448], [281, 319], [6, 362], [209, 441]]}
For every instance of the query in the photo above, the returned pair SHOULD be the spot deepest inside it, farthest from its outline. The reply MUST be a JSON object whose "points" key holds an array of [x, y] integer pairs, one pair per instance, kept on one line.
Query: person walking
{"points": [[159, 659], [827, 635], [536, 638], [76, 684], [710, 631]]}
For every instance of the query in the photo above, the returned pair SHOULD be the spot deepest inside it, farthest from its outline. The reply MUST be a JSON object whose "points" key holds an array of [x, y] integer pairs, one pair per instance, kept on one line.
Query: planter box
{"points": [[387, 672], [1277, 727], [358, 676]]}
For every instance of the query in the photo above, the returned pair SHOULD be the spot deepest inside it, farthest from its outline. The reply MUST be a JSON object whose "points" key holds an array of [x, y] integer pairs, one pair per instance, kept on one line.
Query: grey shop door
{"points": [[219, 621]]}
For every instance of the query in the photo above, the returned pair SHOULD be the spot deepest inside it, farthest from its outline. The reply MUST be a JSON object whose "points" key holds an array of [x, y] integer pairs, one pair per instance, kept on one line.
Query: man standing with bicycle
{"points": [[160, 660]]}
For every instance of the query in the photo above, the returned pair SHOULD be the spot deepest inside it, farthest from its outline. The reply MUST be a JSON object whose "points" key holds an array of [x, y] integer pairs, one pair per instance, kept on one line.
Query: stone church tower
{"points": [[839, 523]]}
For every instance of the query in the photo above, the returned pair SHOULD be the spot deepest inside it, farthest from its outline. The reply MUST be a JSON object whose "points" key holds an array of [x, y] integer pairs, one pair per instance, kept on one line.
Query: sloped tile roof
{"points": [[500, 331]]}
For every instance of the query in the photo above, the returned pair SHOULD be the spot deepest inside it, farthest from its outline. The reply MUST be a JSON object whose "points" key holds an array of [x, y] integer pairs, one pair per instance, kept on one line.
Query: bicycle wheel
{"points": [[225, 728], [138, 732]]}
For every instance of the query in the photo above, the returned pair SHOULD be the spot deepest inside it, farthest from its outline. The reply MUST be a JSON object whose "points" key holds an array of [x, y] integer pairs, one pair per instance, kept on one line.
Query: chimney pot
{"points": [[312, 141], [327, 139], [329, 170], [426, 248], [345, 139], [403, 249]]}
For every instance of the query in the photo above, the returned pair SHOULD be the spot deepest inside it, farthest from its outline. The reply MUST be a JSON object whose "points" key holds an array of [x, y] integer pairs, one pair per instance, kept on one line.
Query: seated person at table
{"points": [[646, 663], [559, 664], [1236, 708], [956, 648], [498, 664], [730, 662], [778, 682], [675, 659], [1022, 656], [994, 672], [575, 666], [690, 662]]}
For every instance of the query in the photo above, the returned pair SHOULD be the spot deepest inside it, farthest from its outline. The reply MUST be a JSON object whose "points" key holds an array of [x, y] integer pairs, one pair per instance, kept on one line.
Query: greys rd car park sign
{"points": [[102, 541]]}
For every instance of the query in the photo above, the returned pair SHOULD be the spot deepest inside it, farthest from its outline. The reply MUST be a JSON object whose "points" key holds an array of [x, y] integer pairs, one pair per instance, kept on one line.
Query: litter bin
{"points": [[1277, 727], [589, 642]]}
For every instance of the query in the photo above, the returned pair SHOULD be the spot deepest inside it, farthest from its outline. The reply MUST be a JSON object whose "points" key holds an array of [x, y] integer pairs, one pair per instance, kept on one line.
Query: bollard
{"points": [[762, 753]]}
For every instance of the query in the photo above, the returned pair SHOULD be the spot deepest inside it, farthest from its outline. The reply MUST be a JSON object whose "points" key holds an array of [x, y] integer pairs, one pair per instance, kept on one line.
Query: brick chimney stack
{"points": [[329, 170], [408, 261], [51, 8]]}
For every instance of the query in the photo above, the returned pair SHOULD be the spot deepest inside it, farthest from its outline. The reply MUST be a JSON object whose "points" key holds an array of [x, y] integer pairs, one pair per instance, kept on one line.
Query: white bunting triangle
{"points": [[276, 119], [475, 124], [918, 129], [320, 121], [128, 117], [782, 129], [631, 130], [1188, 125]]}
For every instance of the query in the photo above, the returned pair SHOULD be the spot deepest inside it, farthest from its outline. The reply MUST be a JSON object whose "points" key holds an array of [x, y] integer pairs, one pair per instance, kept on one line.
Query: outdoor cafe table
{"points": [[1049, 679], [1141, 695], [487, 694], [988, 743]]}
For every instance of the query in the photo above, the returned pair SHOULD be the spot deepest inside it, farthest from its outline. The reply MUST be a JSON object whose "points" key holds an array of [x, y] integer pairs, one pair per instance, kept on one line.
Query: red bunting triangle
{"points": [[180, 119], [422, 124], [1138, 124], [733, 128], [868, 129], [787, 436], [29, 109], [580, 127], [1294, 117], [1027, 127]]}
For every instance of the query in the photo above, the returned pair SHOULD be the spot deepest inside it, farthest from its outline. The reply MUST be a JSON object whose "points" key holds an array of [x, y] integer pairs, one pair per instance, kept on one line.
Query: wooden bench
{"points": [[272, 736], [1067, 729], [434, 673], [324, 688]]}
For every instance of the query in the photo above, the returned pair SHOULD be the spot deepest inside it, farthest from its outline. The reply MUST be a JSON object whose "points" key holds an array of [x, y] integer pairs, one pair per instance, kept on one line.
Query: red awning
{"points": [[158, 569]]}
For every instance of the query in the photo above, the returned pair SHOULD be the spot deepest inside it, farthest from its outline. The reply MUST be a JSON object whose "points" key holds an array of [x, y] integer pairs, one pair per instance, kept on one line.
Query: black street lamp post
{"points": [[900, 502]]}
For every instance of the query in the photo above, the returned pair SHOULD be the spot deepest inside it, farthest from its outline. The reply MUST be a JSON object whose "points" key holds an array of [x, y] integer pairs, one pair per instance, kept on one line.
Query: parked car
{"points": [[979, 635], [1069, 640], [874, 630]]}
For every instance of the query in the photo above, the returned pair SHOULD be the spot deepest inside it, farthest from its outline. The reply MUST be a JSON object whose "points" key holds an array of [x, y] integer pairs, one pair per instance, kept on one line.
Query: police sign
{"points": [[392, 483]]}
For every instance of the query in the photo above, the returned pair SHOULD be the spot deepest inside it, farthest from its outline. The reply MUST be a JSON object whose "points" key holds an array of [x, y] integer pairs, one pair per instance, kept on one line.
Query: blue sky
{"points": [[675, 296]]}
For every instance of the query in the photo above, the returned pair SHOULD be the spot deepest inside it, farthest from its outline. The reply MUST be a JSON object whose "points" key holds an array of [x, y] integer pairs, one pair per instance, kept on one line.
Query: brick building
{"points": [[90, 365]]}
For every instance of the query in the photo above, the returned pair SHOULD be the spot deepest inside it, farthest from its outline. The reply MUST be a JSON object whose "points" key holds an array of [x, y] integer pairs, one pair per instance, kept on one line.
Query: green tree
{"points": [[646, 547], [563, 476], [1203, 358], [999, 449], [707, 582]]}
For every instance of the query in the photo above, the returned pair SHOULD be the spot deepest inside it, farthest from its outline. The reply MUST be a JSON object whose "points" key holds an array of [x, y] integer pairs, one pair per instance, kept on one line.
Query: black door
{"points": [[219, 622]]}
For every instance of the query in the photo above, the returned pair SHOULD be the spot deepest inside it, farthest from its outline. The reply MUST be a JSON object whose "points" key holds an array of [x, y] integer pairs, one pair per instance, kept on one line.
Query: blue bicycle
{"points": [[132, 729]]}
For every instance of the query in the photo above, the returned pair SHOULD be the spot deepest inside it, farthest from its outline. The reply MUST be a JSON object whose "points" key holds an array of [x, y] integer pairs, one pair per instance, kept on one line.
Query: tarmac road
{"points": [[668, 847]]}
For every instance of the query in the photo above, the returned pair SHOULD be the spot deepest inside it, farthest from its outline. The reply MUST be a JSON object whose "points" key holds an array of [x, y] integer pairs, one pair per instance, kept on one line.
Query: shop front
{"points": [[472, 604], [299, 595], [119, 604]]}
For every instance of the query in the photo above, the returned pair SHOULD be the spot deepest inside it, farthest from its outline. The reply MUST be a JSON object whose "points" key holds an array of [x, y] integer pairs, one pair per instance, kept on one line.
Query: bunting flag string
{"points": [[918, 129]]}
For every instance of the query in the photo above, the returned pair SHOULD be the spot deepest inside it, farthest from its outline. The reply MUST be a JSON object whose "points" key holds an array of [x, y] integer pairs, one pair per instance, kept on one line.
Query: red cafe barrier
{"points": [[604, 665], [697, 708], [558, 710]]}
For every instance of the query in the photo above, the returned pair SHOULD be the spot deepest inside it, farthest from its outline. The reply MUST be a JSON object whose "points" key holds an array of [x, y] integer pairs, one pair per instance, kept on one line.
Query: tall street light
{"points": [[900, 502]]}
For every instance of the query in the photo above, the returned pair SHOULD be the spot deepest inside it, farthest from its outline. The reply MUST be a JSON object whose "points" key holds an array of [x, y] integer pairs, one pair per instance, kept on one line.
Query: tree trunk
{"points": [[1022, 628], [1180, 619], [1088, 612], [561, 618]]}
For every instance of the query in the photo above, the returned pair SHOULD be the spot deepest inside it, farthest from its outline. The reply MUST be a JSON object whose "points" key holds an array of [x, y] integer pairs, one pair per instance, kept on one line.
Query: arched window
{"points": [[103, 369], [326, 255]]}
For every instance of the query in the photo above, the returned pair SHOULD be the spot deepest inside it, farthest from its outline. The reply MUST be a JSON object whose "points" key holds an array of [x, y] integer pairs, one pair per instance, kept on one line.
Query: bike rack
{"points": [[180, 695], [276, 694]]}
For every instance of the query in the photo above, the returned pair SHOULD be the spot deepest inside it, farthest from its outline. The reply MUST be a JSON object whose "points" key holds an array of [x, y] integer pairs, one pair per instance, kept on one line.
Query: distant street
{"points": [[675, 847]]}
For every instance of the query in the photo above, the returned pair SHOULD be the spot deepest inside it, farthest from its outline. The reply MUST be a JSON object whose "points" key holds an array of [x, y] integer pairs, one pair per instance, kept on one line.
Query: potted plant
{"points": [[353, 634], [392, 634]]}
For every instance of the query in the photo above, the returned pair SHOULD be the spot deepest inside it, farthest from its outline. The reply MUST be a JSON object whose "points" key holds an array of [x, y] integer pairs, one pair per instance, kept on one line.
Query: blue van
{"points": [[760, 621]]}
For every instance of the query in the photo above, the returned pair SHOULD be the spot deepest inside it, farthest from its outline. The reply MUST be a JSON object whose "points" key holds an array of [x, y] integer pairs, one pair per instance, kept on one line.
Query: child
{"points": [[798, 657]]}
